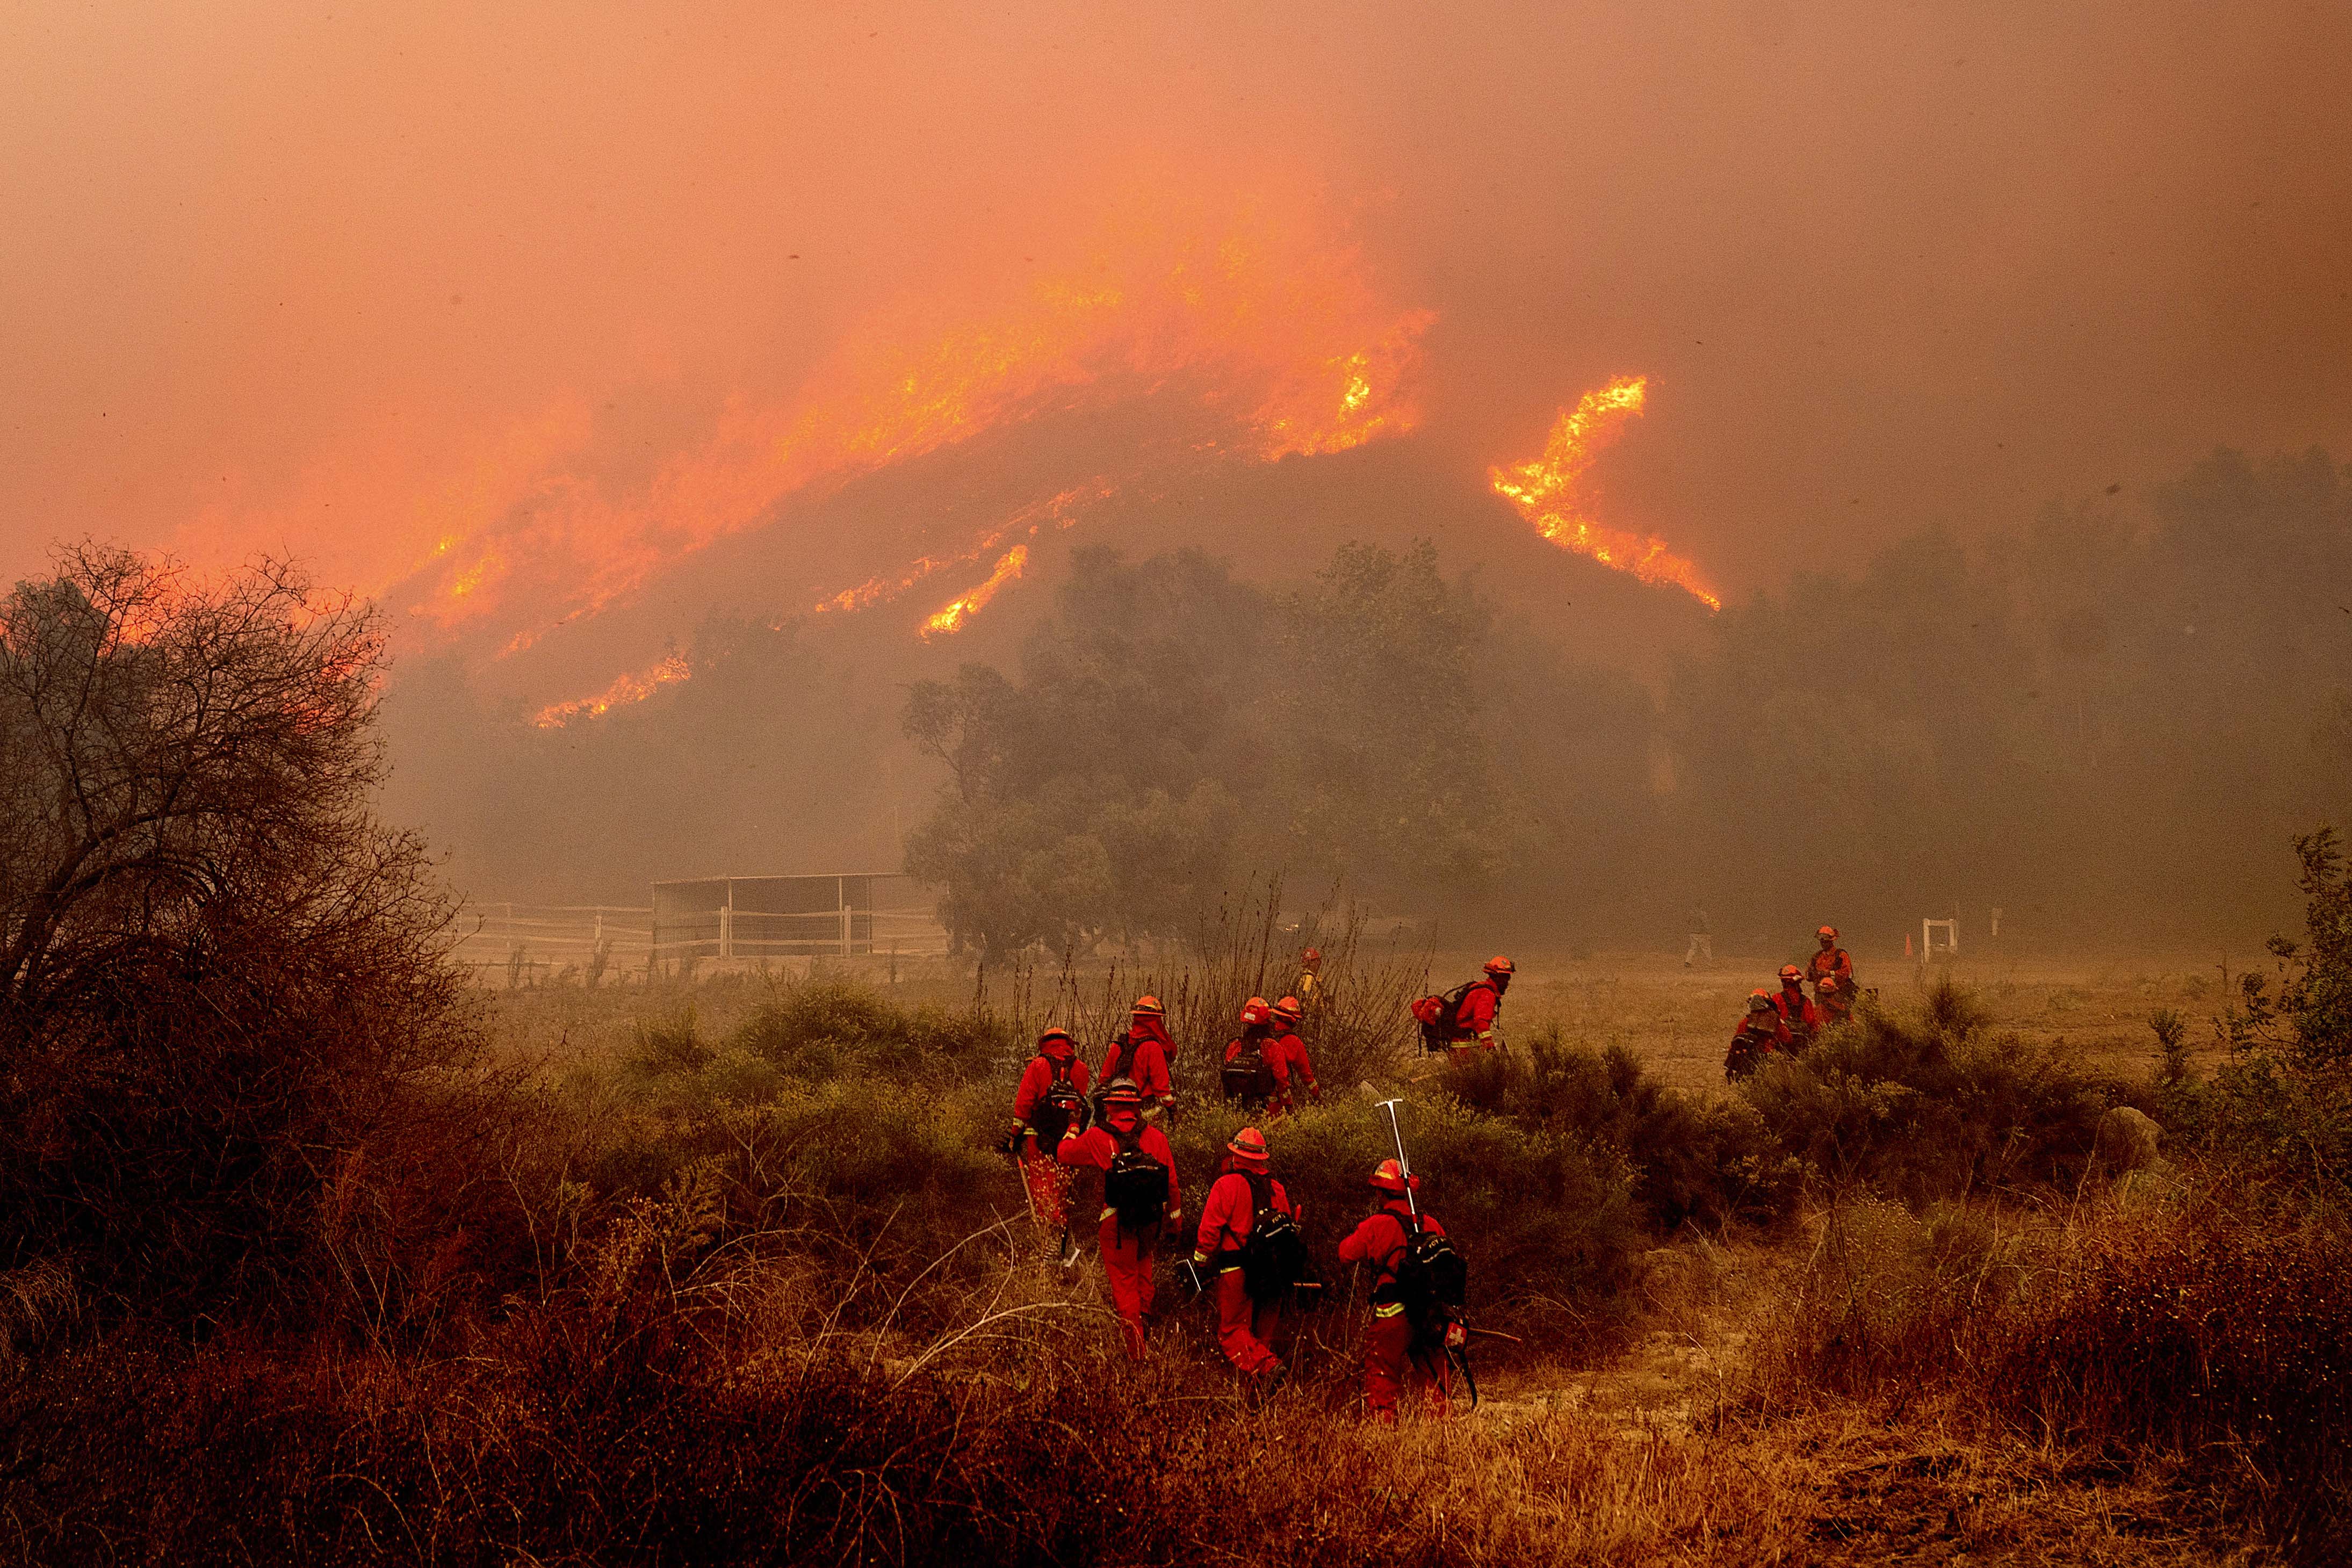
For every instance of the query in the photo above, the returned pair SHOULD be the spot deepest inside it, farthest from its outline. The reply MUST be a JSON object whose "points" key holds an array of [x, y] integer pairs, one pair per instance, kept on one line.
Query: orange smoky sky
{"points": [[420, 291]]}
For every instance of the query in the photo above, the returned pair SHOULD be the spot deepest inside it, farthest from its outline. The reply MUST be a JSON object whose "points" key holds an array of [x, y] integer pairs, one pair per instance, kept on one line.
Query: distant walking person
{"points": [[1139, 1195], [1702, 945], [1310, 976], [1050, 1102]]}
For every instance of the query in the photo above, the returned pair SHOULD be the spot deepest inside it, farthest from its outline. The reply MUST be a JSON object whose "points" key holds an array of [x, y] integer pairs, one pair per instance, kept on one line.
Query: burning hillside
{"points": [[1546, 493], [1159, 358]]}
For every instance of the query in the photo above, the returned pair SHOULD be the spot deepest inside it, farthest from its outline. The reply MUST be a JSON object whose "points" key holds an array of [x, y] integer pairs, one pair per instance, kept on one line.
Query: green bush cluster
{"points": [[1699, 1162], [1934, 1105]]}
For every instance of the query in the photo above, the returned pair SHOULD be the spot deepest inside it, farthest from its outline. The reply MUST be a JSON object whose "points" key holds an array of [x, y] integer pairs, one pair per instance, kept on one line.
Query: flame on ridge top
{"points": [[1544, 492], [1272, 330]]}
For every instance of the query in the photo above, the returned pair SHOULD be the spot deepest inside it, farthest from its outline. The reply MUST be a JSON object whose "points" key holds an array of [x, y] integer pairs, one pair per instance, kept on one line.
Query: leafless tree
{"points": [[224, 985]]}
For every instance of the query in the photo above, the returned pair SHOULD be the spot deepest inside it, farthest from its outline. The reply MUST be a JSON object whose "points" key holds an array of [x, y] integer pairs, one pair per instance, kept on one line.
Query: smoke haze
{"points": [[560, 327], [337, 281]]}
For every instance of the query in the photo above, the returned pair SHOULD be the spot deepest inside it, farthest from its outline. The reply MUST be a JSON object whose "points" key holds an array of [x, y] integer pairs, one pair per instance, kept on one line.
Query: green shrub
{"points": [[826, 1026], [1694, 1161], [667, 1045], [1930, 1106]]}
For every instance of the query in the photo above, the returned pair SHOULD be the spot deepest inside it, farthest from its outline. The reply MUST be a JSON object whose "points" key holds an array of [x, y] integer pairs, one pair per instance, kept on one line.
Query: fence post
{"points": [[727, 931]]}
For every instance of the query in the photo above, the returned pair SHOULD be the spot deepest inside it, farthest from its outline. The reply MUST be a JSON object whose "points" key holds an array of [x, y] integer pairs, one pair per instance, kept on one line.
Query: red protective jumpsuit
{"points": [[1145, 1053], [1800, 1019], [1390, 1361], [1838, 1006], [1475, 1016], [1127, 1254], [1832, 962], [1276, 1062], [1243, 1327], [1048, 1183], [1292, 1070], [1751, 1044]]}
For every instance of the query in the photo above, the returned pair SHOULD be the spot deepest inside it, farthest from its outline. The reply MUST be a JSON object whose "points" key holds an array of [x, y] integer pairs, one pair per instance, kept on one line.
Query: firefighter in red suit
{"points": [[1143, 1053], [1800, 1019], [1392, 1360], [1054, 1069], [1292, 1068], [1831, 963], [1127, 1247], [1760, 1034], [1474, 1020], [1243, 1327]]}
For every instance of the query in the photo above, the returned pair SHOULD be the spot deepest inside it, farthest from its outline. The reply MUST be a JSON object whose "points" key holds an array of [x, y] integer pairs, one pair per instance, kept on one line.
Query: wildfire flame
{"points": [[1062, 510], [627, 689], [1544, 492], [1274, 331], [951, 619]]}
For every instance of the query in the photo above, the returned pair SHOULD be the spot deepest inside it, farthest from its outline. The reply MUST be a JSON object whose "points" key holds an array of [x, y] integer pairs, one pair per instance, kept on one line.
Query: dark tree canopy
{"points": [[222, 992]]}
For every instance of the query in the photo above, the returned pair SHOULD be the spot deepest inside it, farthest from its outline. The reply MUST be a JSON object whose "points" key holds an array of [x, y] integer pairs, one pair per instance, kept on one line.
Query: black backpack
{"points": [[1274, 1257], [1062, 1110], [1432, 1281], [1248, 1077], [1441, 1017], [1135, 1185]]}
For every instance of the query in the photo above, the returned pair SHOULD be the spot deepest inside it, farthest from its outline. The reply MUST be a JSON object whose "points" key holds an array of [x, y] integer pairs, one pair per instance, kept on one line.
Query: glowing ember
{"points": [[627, 689], [1544, 492], [951, 618]]}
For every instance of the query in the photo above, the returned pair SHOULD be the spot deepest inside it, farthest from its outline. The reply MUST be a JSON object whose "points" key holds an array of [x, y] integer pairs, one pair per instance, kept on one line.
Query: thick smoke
{"points": [[445, 302]]}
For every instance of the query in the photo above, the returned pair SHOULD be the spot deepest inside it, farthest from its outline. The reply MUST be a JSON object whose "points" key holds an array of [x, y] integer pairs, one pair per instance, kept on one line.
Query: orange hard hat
{"points": [[1387, 1178], [1255, 1010], [1148, 1007], [1791, 972], [1313, 955], [1828, 931], [1052, 1034], [1829, 983], [1249, 1144], [1498, 964], [1287, 1009]]}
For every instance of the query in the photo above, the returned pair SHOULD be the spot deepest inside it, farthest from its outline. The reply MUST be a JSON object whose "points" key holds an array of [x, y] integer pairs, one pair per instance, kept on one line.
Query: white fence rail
{"points": [[538, 943]]}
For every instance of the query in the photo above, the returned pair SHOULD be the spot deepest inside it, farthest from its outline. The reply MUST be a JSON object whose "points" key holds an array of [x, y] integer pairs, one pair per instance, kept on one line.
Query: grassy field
{"points": [[1678, 1020], [748, 1284]]}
